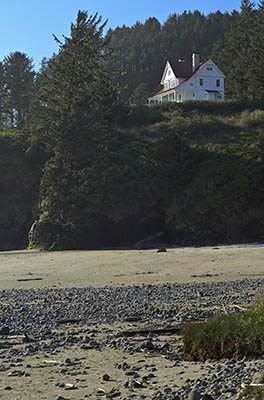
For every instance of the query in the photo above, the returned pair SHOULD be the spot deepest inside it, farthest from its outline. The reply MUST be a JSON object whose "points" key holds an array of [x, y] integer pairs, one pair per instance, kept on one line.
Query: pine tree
{"points": [[233, 55], [2, 118], [255, 71], [76, 104], [18, 76], [78, 95]]}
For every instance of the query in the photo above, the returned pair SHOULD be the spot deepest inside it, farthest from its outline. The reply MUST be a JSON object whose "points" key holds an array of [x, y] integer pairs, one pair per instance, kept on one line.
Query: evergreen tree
{"points": [[18, 76], [139, 95], [255, 71], [77, 93], [233, 55], [77, 102], [1, 96]]}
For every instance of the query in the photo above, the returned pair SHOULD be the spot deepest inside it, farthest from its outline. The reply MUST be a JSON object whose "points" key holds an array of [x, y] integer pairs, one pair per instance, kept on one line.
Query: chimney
{"points": [[195, 61]]}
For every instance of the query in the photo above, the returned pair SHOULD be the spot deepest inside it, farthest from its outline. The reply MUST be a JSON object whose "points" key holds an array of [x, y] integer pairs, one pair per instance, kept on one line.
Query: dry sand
{"points": [[31, 269]]}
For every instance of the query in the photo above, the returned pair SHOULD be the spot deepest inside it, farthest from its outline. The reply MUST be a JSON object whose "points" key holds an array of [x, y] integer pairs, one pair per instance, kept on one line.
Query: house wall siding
{"points": [[192, 89]]}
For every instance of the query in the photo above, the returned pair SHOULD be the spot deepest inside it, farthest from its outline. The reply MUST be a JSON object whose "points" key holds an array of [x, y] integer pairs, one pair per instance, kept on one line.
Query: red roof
{"points": [[185, 68], [181, 69]]}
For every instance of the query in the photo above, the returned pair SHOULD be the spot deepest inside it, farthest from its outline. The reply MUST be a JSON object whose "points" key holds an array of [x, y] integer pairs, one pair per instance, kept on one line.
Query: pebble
{"points": [[40, 312], [194, 395], [258, 377]]}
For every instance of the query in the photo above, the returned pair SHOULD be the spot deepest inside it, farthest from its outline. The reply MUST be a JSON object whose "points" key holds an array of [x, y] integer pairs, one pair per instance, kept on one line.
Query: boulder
{"points": [[152, 242]]}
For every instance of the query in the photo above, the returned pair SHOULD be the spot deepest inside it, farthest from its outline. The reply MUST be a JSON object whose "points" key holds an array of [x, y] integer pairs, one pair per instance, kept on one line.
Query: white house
{"points": [[190, 80]]}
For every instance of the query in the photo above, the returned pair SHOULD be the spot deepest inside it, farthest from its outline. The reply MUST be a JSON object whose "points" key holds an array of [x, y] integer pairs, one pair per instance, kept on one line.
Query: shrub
{"points": [[226, 336]]}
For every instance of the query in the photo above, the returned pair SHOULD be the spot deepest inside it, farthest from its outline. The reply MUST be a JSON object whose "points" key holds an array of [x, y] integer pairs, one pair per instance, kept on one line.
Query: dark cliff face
{"points": [[19, 191]]}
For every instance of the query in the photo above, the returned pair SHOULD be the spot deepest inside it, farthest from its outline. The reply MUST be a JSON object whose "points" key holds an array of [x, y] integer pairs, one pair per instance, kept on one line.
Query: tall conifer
{"points": [[18, 76], [78, 95]]}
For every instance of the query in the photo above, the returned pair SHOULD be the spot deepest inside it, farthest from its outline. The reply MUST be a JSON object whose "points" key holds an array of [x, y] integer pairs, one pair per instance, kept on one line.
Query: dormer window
{"points": [[201, 81]]}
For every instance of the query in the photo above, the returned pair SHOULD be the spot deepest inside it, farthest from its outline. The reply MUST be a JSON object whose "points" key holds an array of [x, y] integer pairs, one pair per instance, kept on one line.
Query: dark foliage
{"points": [[143, 49]]}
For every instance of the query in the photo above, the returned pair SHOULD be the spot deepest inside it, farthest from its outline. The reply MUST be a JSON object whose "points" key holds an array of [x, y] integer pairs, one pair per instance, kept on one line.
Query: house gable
{"points": [[175, 73], [211, 70], [167, 73]]}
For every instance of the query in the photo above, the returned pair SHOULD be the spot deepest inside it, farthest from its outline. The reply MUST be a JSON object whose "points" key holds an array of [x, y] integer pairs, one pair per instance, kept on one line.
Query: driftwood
{"points": [[152, 329], [133, 318], [29, 279]]}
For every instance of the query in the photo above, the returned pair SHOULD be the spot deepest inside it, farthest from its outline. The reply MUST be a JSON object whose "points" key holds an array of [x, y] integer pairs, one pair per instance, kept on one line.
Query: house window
{"points": [[169, 72], [166, 85], [218, 82], [180, 97], [209, 68], [201, 82]]}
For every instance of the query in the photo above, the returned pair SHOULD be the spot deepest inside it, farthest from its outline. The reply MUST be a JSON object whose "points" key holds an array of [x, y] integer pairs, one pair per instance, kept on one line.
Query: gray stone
{"points": [[194, 395], [4, 330], [258, 377]]}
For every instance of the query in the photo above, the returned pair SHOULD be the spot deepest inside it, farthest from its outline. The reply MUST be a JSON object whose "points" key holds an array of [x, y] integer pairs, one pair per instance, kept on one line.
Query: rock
{"points": [[16, 373], [151, 242], [207, 397], [151, 375], [4, 330], [106, 377], [100, 392], [148, 345], [258, 377], [133, 384], [136, 384], [7, 388], [231, 390], [162, 250], [113, 395], [194, 395]]}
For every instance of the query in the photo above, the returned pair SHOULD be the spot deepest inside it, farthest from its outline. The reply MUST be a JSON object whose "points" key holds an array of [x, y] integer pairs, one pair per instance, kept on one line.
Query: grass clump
{"points": [[251, 393], [226, 336]]}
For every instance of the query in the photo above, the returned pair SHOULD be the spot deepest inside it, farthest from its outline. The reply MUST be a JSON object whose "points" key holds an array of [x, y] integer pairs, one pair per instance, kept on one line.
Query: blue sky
{"points": [[27, 25]]}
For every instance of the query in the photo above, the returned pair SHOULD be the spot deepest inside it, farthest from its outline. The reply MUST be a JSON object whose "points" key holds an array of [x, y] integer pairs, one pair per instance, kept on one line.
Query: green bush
{"points": [[226, 336], [144, 115]]}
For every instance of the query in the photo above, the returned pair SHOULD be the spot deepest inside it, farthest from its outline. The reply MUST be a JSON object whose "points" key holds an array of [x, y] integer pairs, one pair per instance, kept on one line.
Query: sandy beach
{"points": [[32, 269], [69, 370]]}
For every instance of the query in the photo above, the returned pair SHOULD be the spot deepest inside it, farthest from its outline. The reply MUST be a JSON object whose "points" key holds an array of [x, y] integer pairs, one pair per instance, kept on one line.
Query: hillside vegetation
{"points": [[19, 182], [193, 171]]}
